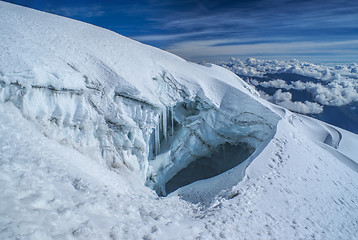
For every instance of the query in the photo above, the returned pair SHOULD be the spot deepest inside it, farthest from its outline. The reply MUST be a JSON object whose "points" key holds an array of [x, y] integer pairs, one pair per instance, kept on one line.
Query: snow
{"points": [[50, 191], [93, 126], [114, 107], [300, 193]]}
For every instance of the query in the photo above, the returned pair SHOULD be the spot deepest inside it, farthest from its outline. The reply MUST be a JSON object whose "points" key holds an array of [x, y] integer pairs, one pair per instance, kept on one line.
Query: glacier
{"points": [[107, 138], [111, 113]]}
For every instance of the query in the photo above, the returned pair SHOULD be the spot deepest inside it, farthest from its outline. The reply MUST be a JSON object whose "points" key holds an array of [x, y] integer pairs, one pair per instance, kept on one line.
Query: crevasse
{"points": [[123, 135], [126, 104]]}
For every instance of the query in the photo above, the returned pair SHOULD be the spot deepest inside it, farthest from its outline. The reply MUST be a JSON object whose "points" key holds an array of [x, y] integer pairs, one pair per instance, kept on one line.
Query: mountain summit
{"points": [[103, 137]]}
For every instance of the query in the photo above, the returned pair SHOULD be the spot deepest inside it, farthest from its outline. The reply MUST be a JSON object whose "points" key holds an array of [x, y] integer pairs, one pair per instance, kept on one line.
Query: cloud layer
{"points": [[284, 99], [335, 85]]}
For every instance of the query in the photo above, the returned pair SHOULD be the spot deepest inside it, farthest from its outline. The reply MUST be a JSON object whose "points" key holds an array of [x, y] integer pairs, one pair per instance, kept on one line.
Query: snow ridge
{"points": [[112, 101]]}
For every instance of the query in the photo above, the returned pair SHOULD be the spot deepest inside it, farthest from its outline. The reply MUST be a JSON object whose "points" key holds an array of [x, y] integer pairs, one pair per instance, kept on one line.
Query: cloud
{"points": [[85, 12], [284, 99], [336, 93], [173, 36], [205, 30], [259, 15], [209, 30], [335, 85], [280, 96], [303, 107], [220, 48], [278, 83], [162, 37]]}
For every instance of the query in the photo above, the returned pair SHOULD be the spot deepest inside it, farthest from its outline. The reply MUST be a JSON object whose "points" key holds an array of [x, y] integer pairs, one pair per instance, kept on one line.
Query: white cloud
{"points": [[174, 36], [278, 83], [284, 99], [87, 12], [265, 95], [223, 47], [164, 37], [335, 94], [303, 107], [335, 85], [280, 96]]}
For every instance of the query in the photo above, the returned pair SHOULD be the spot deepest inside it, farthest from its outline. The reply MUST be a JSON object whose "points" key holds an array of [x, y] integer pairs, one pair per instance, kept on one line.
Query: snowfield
{"points": [[103, 137]]}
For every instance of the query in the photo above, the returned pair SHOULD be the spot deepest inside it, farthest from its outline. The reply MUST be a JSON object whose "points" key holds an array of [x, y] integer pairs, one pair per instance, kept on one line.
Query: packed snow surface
{"points": [[95, 129]]}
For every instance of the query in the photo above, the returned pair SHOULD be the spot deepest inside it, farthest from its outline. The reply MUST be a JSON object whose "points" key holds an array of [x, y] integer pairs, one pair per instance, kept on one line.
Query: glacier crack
{"points": [[160, 140]]}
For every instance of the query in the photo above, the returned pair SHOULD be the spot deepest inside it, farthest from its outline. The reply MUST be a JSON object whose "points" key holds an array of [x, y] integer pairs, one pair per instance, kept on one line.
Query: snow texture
{"points": [[93, 126]]}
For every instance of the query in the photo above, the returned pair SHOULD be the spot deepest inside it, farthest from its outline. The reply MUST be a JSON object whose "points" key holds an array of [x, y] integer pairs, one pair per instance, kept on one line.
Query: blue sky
{"points": [[315, 31]]}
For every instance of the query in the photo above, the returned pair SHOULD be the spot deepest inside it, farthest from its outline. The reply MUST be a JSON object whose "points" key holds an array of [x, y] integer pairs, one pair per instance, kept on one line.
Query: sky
{"points": [[315, 31]]}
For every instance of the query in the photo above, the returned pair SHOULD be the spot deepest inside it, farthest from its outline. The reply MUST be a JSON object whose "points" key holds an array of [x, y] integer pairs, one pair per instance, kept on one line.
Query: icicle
{"points": [[165, 125], [172, 118], [157, 139]]}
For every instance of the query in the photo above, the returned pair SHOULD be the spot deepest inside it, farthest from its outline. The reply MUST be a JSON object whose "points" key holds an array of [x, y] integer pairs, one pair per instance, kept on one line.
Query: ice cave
{"points": [[194, 141], [224, 158]]}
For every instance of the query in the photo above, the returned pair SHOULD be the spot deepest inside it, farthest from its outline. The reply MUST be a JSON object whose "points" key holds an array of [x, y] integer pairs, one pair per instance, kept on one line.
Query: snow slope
{"points": [[91, 122], [111, 97]]}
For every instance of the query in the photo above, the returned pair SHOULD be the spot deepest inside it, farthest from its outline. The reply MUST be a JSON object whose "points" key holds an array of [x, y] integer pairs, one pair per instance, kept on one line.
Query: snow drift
{"points": [[143, 114]]}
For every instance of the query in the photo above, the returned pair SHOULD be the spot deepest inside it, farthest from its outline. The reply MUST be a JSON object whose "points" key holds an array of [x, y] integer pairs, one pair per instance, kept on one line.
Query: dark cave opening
{"points": [[225, 157]]}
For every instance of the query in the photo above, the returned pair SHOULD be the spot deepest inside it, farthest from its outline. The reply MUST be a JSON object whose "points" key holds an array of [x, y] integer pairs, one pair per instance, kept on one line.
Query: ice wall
{"points": [[126, 104], [120, 129]]}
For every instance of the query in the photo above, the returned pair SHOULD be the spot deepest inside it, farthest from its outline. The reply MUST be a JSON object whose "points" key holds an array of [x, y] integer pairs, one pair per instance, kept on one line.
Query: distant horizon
{"points": [[320, 32], [243, 58]]}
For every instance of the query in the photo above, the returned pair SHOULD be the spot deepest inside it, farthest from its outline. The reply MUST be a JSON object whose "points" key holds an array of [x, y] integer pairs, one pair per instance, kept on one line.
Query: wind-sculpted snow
{"points": [[123, 102], [92, 122]]}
